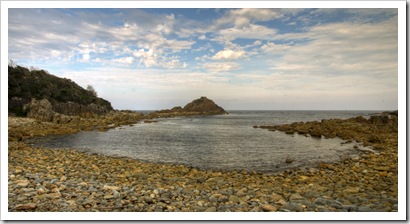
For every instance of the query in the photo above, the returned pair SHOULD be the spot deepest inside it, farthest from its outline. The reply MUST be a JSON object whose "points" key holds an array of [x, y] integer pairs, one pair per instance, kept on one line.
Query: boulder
{"points": [[41, 110]]}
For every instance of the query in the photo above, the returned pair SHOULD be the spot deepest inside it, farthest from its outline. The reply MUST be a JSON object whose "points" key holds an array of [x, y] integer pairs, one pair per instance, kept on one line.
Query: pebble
{"points": [[269, 208]]}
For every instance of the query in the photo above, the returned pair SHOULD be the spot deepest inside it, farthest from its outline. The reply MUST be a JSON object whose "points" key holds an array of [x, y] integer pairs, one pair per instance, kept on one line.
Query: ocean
{"points": [[221, 142]]}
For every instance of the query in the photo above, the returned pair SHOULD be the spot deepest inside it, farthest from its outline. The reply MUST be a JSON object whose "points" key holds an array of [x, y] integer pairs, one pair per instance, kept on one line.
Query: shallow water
{"points": [[224, 142]]}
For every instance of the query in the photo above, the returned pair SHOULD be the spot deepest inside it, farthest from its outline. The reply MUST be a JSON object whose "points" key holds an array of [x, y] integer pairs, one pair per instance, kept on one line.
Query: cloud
{"points": [[243, 17], [148, 58], [348, 47], [167, 25], [85, 57], [221, 66], [344, 54], [228, 54], [125, 60], [272, 48], [81, 33], [202, 37], [55, 53], [250, 32]]}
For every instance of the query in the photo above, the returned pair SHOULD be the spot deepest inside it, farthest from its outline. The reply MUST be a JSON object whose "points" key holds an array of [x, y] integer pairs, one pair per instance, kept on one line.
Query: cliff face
{"points": [[51, 93]]}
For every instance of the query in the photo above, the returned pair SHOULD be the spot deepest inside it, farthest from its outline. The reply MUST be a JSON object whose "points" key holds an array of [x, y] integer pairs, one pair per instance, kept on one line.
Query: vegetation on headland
{"points": [[25, 84]]}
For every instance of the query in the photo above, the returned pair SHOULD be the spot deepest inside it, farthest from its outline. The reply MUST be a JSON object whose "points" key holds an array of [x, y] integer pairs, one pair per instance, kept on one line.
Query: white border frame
{"points": [[401, 215]]}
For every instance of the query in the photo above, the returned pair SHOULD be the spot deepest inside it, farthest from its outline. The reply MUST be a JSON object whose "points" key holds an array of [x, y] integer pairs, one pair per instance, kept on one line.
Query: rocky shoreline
{"points": [[63, 180]]}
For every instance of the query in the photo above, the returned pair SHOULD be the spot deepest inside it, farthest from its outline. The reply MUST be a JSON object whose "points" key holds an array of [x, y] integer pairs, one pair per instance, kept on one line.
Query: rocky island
{"points": [[64, 180], [201, 106]]}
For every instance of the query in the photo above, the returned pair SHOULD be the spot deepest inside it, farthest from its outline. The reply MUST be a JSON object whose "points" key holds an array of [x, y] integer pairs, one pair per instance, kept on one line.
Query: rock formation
{"points": [[38, 94], [204, 105], [41, 110], [201, 106]]}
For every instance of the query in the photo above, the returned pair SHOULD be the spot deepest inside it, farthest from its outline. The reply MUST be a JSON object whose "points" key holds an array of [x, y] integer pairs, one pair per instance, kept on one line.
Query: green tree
{"points": [[92, 90]]}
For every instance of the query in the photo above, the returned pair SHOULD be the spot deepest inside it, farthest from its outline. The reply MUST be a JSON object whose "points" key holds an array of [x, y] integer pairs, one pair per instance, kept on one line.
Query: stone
{"points": [[211, 209], [281, 202], [148, 200], [223, 198], [269, 208], [351, 190], [22, 183], [29, 206], [275, 197], [296, 207], [241, 192], [289, 160], [364, 208], [234, 199], [63, 178], [296, 197], [213, 199], [113, 188]]}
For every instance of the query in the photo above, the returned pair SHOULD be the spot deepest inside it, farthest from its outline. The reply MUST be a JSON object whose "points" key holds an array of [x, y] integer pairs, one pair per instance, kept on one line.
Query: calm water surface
{"points": [[224, 142]]}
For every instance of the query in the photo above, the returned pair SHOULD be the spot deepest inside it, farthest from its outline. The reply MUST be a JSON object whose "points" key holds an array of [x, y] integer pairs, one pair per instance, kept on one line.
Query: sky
{"points": [[242, 58]]}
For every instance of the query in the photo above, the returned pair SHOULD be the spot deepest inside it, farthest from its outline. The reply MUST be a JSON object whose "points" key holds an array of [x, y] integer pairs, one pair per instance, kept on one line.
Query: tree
{"points": [[91, 90]]}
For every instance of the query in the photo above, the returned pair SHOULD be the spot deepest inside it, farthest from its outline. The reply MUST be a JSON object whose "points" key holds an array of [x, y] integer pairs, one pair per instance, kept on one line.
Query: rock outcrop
{"points": [[64, 95], [201, 106], [204, 105], [41, 110]]}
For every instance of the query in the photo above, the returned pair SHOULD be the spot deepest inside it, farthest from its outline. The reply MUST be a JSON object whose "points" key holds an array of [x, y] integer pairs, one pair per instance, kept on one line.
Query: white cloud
{"points": [[125, 60], [243, 17], [221, 66], [85, 58], [202, 37], [250, 32], [55, 53], [148, 58], [272, 48], [229, 54], [167, 25]]}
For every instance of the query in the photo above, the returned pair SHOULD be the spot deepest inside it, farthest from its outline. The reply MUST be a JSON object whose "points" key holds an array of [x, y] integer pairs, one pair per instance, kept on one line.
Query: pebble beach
{"points": [[66, 180]]}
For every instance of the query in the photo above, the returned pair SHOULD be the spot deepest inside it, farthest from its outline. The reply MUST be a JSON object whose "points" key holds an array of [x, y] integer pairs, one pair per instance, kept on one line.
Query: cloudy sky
{"points": [[339, 59]]}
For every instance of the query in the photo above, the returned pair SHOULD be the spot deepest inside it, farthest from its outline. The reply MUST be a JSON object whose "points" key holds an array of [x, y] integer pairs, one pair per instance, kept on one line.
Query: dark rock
{"points": [[223, 198], [148, 200], [296, 207], [204, 105], [364, 208], [51, 94]]}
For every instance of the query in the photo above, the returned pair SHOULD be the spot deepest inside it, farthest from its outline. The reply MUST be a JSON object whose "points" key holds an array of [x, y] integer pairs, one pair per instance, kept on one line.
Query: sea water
{"points": [[219, 142]]}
